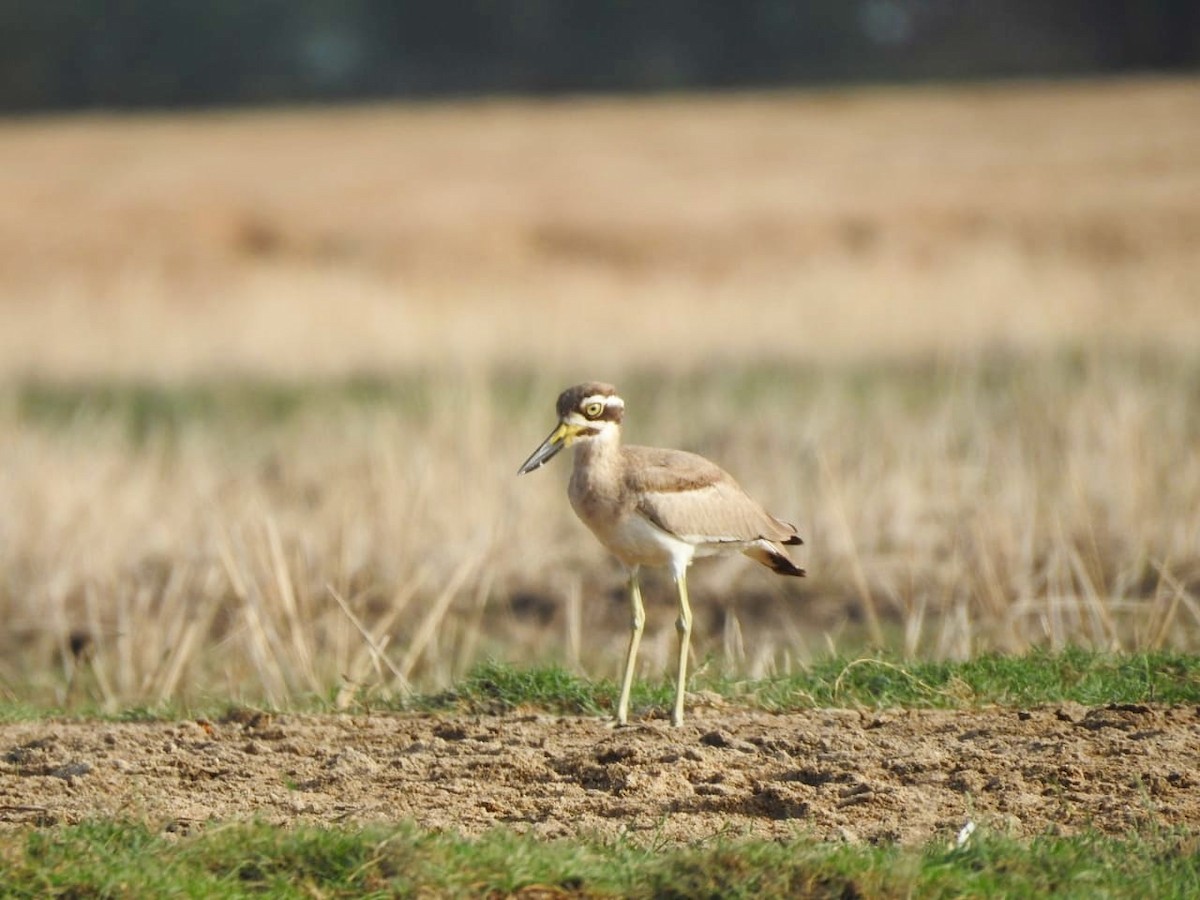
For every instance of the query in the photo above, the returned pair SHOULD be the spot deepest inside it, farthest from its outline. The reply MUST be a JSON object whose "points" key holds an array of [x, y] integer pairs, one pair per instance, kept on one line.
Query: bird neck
{"points": [[599, 459]]}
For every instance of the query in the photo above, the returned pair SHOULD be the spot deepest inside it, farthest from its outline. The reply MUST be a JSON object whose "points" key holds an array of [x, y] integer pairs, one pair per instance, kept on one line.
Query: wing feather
{"points": [[696, 500]]}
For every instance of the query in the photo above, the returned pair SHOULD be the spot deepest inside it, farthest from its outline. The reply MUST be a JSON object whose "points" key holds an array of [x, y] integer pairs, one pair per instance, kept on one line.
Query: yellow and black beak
{"points": [[560, 437]]}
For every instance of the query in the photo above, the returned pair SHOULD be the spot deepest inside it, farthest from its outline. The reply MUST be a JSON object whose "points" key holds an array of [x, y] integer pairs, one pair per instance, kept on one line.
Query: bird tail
{"points": [[775, 559]]}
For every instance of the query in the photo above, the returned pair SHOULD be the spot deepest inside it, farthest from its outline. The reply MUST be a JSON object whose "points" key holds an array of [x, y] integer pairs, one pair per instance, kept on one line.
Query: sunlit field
{"points": [[266, 378]]}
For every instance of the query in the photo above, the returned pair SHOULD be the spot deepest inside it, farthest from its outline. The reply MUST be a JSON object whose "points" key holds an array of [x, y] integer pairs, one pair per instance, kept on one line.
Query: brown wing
{"points": [[698, 501]]}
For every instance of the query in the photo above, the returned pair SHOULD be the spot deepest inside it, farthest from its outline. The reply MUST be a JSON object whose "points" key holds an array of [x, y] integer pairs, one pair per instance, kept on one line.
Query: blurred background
{"points": [[287, 292], [70, 54]]}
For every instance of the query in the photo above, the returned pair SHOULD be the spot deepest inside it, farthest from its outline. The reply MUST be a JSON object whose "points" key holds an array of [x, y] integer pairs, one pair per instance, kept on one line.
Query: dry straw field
{"points": [[265, 380]]}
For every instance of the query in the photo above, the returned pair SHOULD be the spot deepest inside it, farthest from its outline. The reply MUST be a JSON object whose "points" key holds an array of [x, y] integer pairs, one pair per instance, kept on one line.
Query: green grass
{"points": [[146, 407], [1074, 675], [107, 859]]}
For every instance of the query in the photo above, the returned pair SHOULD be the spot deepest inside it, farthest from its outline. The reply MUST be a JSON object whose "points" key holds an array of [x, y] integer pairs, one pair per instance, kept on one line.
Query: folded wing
{"points": [[698, 501]]}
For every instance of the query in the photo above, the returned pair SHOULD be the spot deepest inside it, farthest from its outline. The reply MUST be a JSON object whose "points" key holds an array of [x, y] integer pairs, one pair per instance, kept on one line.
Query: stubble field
{"points": [[266, 379]]}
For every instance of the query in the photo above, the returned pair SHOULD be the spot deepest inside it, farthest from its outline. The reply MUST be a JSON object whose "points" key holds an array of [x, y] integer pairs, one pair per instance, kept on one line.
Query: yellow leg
{"points": [[684, 626], [635, 638]]}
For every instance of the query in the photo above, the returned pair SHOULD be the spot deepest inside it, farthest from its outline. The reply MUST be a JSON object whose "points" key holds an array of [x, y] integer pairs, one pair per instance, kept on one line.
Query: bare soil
{"points": [[849, 775]]}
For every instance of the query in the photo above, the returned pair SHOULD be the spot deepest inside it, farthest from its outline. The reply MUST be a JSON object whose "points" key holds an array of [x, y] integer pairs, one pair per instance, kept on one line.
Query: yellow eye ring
{"points": [[593, 410]]}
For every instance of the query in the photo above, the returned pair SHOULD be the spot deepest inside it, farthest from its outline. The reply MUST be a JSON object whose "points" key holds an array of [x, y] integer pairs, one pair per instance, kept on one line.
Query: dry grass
{"points": [[791, 225], [952, 333]]}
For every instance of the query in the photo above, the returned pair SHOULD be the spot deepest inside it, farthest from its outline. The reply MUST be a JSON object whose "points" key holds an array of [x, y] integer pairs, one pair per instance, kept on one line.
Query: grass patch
{"points": [[146, 408], [1073, 675], [1039, 678], [497, 687], [127, 859]]}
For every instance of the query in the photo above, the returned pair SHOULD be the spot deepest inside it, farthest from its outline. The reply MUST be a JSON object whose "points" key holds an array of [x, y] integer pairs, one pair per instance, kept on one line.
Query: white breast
{"points": [[637, 542]]}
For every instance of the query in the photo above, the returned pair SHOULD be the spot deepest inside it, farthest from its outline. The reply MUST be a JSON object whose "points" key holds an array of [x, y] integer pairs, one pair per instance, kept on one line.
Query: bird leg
{"points": [[684, 626], [635, 637]]}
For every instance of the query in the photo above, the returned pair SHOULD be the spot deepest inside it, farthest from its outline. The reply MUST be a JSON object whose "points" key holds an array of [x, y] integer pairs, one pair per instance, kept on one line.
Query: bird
{"points": [[655, 507]]}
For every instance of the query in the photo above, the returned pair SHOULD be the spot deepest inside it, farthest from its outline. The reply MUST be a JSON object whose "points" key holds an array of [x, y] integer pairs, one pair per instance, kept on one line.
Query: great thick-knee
{"points": [[654, 507]]}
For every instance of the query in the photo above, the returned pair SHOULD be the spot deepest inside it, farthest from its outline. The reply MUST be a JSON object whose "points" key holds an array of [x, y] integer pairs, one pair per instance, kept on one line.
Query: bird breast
{"points": [[600, 499]]}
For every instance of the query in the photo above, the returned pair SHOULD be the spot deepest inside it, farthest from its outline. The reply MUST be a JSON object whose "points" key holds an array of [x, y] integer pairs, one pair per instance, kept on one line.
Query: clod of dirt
{"points": [[71, 770], [716, 739]]}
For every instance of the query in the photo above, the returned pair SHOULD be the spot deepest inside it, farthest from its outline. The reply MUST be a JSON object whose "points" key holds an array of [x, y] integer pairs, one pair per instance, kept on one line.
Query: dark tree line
{"points": [[58, 54]]}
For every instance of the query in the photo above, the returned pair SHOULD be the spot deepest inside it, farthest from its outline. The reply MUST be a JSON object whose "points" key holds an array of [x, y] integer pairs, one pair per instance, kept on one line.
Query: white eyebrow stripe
{"points": [[604, 400]]}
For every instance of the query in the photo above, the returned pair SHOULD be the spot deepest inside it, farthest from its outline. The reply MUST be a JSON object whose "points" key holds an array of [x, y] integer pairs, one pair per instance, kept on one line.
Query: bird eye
{"points": [[593, 410]]}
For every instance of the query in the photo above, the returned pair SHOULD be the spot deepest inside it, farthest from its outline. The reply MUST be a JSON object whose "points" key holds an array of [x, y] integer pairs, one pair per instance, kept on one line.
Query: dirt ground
{"points": [[844, 775]]}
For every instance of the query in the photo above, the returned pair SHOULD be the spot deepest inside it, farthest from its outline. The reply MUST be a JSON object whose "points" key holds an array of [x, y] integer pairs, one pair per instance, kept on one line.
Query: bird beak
{"points": [[558, 439]]}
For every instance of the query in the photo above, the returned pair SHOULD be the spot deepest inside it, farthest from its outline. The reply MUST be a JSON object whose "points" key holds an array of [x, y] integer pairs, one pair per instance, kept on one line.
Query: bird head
{"points": [[586, 412]]}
